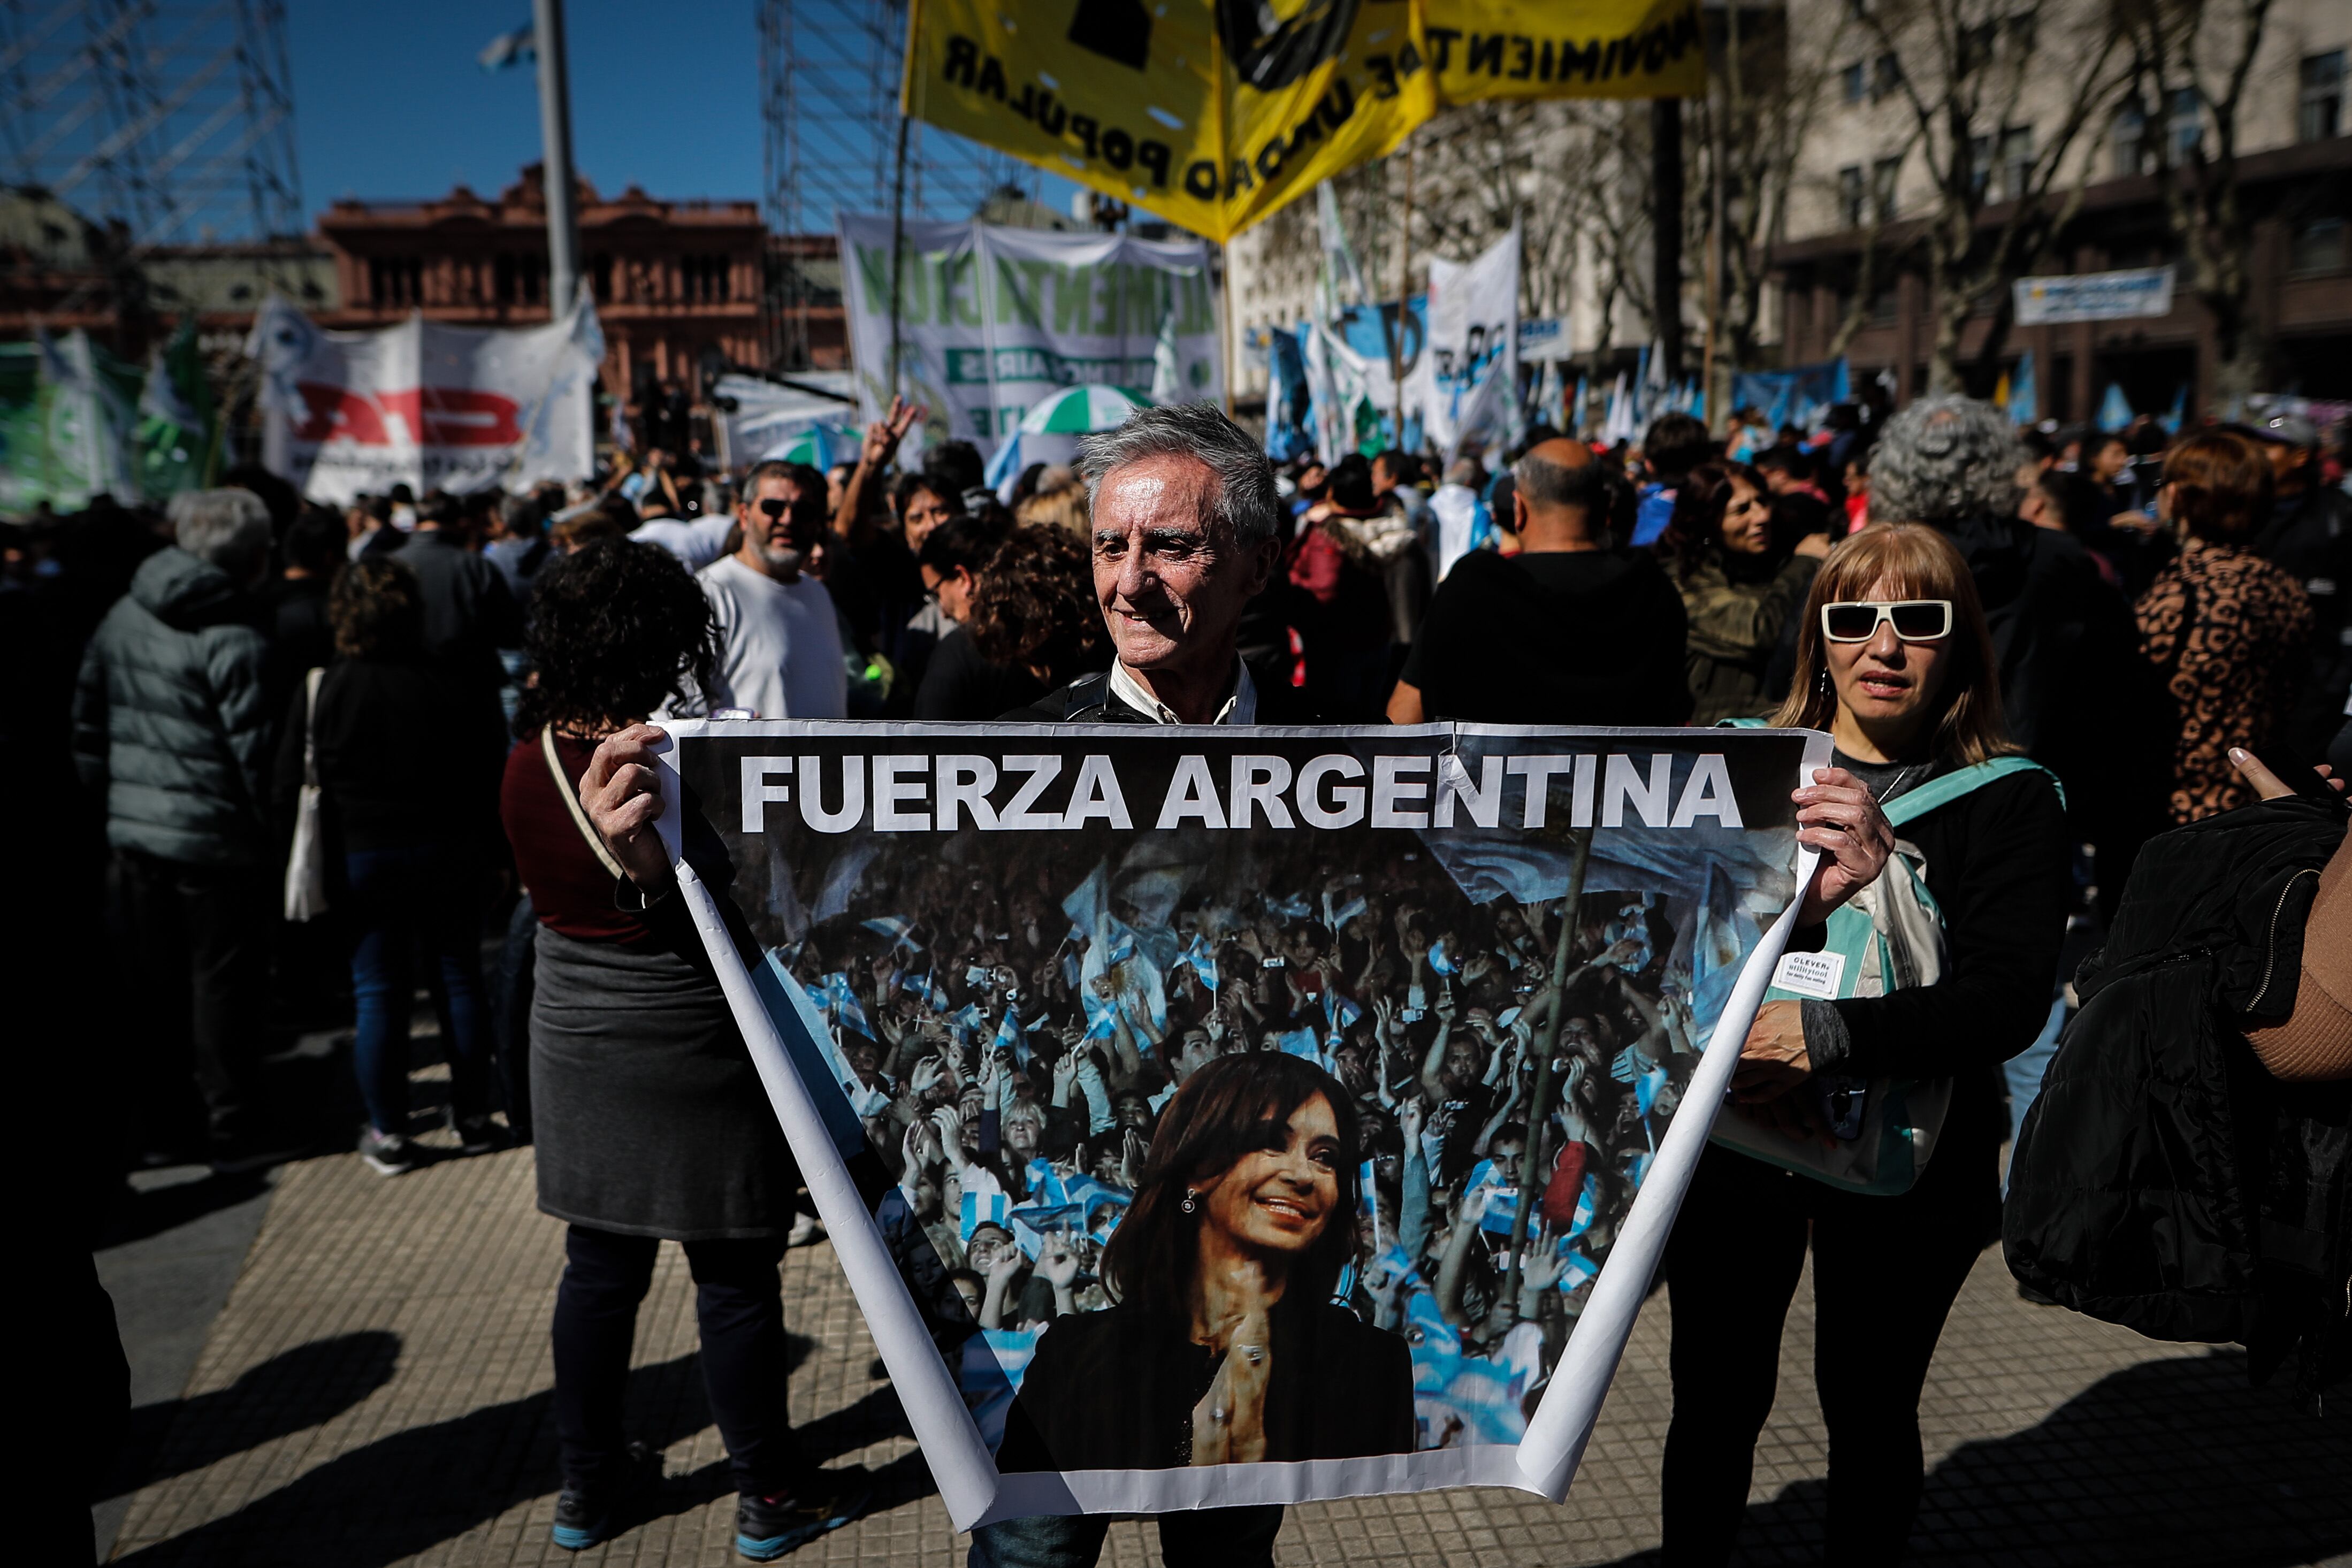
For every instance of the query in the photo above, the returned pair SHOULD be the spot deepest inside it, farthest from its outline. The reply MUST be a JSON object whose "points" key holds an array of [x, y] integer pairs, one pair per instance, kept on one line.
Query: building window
{"points": [[2187, 124], [1975, 47], [2322, 109], [1884, 175], [708, 279], [1886, 77], [1856, 78], [600, 270], [2016, 161], [1850, 195], [2131, 140], [396, 281], [2317, 246], [502, 279]]}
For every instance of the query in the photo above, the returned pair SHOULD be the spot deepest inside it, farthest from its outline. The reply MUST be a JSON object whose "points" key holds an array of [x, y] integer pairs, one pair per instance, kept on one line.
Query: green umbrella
{"points": [[1080, 411]]}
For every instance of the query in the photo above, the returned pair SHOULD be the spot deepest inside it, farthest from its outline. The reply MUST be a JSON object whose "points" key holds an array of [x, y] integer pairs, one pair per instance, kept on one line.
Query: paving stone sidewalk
{"points": [[376, 1392]]}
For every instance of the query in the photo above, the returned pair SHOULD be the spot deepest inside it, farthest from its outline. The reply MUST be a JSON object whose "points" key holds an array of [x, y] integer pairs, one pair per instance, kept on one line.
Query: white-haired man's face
{"points": [[1171, 583]]}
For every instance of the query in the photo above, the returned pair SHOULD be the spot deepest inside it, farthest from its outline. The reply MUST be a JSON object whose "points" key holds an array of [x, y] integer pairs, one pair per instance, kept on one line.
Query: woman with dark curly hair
{"points": [[1740, 585], [647, 1113], [409, 865], [1034, 609]]}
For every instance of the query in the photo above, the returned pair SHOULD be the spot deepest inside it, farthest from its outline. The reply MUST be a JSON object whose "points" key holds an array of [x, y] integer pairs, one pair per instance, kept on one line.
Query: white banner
{"points": [[2094, 297], [992, 320], [759, 419], [1468, 377], [437, 407]]}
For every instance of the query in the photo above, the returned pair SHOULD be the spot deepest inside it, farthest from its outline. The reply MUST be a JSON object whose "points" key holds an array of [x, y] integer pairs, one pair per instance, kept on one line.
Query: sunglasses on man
{"points": [[1914, 620], [774, 507]]}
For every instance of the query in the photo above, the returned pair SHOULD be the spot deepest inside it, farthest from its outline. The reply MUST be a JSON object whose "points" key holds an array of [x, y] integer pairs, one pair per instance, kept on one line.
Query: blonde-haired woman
{"points": [[1895, 662]]}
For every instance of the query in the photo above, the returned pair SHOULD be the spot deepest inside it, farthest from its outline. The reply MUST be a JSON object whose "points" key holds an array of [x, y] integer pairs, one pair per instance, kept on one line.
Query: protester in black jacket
{"points": [[470, 615], [1905, 708], [2164, 1180], [2076, 693], [1565, 631], [403, 863]]}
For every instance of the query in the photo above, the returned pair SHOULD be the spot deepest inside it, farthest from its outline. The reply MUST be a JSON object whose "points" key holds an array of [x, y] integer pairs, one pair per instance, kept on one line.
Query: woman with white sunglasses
{"points": [[1895, 662]]}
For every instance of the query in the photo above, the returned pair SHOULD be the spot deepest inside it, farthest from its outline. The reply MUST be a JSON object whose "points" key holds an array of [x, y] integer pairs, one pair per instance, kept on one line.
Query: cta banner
{"points": [[1216, 113], [2094, 297], [1467, 382], [1212, 115], [1565, 49], [991, 320], [1211, 1116], [434, 407]]}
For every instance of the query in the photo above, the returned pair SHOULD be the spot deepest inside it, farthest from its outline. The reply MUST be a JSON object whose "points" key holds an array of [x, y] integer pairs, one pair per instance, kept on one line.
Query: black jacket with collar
{"points": [[2163, 1180], [1090, 700]]}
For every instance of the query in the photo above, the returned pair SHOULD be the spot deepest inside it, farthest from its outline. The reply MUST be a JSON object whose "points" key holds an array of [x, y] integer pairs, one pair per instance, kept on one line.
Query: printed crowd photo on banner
{"points": [[1207, 1117]]}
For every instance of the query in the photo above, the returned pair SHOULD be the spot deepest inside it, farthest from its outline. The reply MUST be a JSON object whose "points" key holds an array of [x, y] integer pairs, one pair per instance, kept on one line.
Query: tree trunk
{"points": [[1667, 230]]}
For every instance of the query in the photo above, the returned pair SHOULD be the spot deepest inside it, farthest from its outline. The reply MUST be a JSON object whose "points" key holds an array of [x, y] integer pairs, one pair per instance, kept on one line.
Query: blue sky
{"points": [[389, 101]]}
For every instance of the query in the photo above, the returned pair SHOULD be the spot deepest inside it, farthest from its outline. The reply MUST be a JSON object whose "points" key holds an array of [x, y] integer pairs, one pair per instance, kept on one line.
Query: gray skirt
{"points": [[648, 1116]]}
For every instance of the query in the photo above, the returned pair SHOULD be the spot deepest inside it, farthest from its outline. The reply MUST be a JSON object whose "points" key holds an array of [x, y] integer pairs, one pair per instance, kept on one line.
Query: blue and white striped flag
{"points": [[519, 48], [983, 1207], [898, 928]]}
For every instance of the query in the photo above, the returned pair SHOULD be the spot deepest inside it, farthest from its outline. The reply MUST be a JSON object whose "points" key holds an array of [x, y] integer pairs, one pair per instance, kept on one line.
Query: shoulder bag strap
{"points": [[1913, 804], [310, 726], [572, 801]]}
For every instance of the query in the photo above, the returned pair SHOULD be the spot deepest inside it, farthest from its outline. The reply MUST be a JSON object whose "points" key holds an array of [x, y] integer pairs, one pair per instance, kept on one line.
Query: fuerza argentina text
{"points": [[945, 792]]}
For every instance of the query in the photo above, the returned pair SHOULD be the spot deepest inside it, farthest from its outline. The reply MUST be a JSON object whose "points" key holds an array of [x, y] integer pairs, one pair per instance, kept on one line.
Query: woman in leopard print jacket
{"points": [[2225, 629]]}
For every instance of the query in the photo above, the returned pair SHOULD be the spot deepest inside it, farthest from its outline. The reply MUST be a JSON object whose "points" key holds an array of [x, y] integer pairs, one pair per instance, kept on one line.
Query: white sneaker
{"points": [[386, 1154], [807, 1228]]}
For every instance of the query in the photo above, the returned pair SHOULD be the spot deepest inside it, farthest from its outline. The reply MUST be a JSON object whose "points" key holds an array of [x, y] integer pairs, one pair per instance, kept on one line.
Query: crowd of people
{"points": [[2127, 611]]}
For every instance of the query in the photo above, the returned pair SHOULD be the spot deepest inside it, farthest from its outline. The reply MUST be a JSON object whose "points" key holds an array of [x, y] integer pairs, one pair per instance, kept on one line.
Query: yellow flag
{"points": [[1565, 49], [1209, 113]]}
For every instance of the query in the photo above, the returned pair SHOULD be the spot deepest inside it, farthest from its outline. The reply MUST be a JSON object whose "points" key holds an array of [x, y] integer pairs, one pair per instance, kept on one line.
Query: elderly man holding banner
{"points": [[1314, 1276]]}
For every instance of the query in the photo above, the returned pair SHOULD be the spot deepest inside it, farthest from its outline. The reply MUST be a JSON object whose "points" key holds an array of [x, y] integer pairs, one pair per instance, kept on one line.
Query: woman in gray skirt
{"points": [[649, 1117]]}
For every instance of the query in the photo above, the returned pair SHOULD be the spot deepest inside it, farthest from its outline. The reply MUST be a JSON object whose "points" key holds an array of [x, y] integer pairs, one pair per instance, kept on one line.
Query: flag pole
{"points": [[555, 156], [1404, 299], [1538, 1113]]}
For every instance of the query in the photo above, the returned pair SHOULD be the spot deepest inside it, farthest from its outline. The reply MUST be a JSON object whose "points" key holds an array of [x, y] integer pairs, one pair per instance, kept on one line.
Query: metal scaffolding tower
{"points": [[176, 117], [829, 74]]}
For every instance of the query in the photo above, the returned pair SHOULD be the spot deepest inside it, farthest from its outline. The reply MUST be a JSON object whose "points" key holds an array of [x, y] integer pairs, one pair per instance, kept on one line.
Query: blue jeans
{"points": [[1191, 1538], [400, 902], [2023, 1073]]}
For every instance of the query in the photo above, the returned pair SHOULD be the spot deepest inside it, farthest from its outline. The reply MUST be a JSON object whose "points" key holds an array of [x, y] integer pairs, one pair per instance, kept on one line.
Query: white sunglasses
{"points": [[1914, 620]]}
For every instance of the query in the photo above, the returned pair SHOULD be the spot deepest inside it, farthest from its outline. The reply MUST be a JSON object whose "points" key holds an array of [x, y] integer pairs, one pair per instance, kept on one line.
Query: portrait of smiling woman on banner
{"points": [[1225, 1345]]}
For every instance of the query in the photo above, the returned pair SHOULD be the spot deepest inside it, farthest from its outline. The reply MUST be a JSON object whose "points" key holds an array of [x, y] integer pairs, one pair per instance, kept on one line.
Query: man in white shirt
{"points": [[780, 640]]}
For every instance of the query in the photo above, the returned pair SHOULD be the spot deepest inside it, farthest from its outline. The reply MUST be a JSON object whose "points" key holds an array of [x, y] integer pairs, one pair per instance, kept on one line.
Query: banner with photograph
{"points": [[992, 320], [1209, 1116], [432, 406], [1466, 385]]}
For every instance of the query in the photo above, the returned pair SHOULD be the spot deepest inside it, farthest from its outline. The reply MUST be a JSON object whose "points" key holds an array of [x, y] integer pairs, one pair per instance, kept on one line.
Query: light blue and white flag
{"points": [[519, 48]]}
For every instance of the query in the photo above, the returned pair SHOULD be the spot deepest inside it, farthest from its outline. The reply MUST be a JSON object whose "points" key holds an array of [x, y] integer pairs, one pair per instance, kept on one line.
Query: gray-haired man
{"points": [[1187, 527], [172, 725]]}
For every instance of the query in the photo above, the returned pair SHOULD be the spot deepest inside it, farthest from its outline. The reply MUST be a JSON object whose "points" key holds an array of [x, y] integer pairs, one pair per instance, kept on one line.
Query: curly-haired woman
{"points": [[646, 1110], [409, 856], [1034, 609]]}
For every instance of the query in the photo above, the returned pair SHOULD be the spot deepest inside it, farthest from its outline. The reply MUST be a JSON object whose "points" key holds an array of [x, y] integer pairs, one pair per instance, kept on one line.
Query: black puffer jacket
{"points": [[172, 717], [2164, 1180]]}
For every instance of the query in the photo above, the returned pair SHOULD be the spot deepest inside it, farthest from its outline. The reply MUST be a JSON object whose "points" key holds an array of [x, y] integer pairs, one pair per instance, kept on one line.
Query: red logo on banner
{"points": [[433, 416]]}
